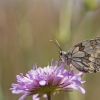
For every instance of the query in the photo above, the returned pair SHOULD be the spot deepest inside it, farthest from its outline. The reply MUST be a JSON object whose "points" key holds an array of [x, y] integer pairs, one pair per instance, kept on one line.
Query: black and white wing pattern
{"points": [[86, 55]]}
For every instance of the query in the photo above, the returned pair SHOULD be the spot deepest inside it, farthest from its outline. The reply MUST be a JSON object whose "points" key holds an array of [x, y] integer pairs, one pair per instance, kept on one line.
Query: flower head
{"points": [[40, 82]]}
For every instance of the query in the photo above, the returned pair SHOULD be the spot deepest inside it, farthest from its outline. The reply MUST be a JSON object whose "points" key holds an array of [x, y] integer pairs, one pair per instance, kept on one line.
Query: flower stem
{"points": [[48, 96]]}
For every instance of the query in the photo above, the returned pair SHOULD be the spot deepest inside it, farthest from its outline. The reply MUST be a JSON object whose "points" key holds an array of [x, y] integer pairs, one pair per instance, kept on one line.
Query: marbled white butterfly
{"points": [[84, 56]]}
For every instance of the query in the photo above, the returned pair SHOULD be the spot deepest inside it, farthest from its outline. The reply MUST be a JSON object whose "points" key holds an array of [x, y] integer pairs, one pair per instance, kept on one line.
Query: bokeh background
{"points": [[26, 28]]}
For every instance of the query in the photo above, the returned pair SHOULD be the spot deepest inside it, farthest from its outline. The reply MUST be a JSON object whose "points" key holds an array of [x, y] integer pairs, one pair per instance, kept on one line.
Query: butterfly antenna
{"points": [[56, 43]]}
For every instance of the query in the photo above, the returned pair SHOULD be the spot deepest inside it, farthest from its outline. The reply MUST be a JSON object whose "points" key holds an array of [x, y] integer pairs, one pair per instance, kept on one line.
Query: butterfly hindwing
{"points": [[86, 55]]}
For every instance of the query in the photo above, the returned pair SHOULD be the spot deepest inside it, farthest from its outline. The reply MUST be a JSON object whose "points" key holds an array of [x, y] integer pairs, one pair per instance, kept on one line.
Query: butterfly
{"points": [[84, 56]]}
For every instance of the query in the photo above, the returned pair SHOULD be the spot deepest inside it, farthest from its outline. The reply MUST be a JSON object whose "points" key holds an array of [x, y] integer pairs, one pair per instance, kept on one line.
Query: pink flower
{"points": [[51, 79]]}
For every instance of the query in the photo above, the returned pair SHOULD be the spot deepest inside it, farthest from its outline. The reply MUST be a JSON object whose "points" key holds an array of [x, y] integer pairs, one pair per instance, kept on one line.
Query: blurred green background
{"points": [[26, 28]]}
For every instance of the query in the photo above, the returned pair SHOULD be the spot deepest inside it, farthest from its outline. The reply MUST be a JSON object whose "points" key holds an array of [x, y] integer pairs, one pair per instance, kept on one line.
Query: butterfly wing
{"points": [[86, 55]]}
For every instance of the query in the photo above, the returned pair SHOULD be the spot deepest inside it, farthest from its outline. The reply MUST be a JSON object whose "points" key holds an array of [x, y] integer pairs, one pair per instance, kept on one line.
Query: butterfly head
{"points": [[63, 56]]}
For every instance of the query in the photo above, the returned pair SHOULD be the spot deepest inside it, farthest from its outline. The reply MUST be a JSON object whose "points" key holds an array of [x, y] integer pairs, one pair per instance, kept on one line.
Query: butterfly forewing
{"points": [[86, 55]]}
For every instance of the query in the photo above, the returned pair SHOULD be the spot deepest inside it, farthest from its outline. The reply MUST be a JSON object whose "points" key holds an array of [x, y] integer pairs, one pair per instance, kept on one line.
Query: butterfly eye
{"points": [[60, 53]]}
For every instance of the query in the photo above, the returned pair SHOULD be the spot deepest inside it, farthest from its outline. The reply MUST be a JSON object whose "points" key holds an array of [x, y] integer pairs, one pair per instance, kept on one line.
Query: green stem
{"points": [[48, 96]]}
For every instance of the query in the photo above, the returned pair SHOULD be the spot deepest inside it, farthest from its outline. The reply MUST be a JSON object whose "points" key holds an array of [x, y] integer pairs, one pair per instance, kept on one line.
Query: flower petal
{"points": [[42, 82], [23, 96], [35, 97]]}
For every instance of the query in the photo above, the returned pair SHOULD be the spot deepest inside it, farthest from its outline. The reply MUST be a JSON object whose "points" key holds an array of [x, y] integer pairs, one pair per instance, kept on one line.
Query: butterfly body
{"points": [[67, 60], [84, 56]]}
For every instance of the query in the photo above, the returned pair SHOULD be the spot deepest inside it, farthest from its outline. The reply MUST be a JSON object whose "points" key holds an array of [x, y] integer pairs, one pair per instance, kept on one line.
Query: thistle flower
{"points": [[42, 82]]}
